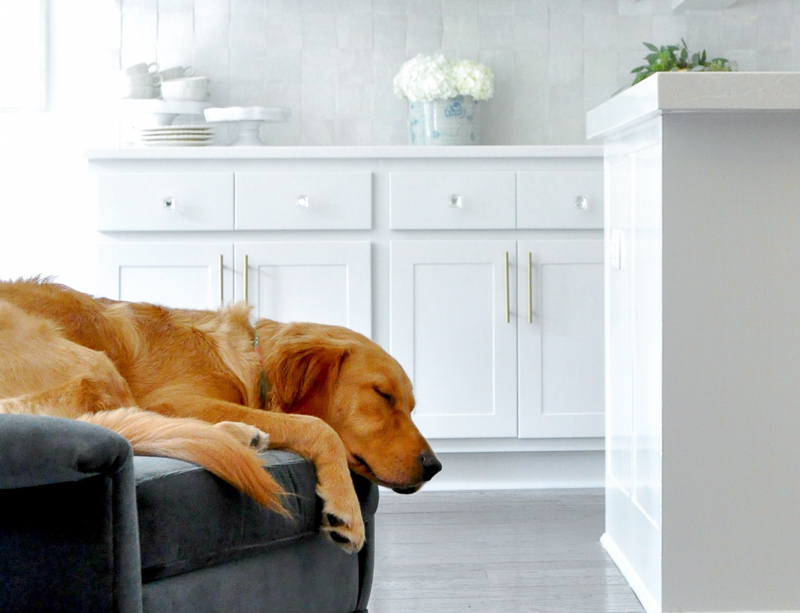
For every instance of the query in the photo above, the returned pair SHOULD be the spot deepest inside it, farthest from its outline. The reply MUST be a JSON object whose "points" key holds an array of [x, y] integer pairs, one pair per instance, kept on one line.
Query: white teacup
{"points": [[142, 68], [176, 72]]}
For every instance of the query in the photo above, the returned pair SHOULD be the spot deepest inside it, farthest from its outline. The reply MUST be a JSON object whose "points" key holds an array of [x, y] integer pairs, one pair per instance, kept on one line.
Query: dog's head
{"points": [[359, 390]]}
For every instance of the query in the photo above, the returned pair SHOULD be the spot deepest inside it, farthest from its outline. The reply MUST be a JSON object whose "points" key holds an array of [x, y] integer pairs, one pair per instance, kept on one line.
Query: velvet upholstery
{"points": [[85, 526], [68, 534]]}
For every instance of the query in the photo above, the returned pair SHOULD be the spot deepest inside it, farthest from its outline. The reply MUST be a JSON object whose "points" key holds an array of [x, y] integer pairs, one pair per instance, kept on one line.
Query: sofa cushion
{"points": [[190, 519]]}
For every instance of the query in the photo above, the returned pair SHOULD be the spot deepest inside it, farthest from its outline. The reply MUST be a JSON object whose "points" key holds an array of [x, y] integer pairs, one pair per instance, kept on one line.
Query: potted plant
{"points": [[676, 58], [443, 97]]}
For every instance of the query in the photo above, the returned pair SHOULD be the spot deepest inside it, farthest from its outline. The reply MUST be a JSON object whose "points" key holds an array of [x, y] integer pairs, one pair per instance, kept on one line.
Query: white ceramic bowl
{"points": [[194, 82], [183, 93], [137, 91]]}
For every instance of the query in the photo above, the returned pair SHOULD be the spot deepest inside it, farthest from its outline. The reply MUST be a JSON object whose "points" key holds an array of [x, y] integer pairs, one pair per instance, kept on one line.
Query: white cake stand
{"points": [[249, 120]]}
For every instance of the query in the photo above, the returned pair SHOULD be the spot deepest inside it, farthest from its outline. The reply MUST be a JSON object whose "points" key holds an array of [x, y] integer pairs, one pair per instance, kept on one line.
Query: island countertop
{"points": [[667, 92]]}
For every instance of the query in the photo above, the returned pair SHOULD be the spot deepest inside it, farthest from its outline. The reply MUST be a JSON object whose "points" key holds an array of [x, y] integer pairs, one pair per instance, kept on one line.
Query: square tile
{"points": [[354, 30]]}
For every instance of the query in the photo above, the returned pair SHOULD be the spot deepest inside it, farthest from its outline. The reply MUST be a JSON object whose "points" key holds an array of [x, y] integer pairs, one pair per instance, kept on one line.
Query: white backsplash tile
{"points": [[389, 31], [333, 61], [354, 30], [319, 31], [460, 35]]}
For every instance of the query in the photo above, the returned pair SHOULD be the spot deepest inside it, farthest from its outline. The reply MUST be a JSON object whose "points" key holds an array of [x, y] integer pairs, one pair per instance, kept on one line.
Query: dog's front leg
{"points": [[308, 436]]}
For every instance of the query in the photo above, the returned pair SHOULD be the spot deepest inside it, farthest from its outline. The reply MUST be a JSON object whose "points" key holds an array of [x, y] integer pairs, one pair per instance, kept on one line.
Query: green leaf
{"points": [[651, 46]]}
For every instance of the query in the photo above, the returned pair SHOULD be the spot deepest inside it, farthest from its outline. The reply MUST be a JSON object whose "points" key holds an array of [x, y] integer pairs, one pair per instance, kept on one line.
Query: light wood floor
{"points": [[532, 551]]}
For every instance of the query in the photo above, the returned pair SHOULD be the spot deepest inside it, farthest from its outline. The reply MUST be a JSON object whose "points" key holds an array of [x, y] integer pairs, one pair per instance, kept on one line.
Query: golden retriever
{"points": [[209, 387]]}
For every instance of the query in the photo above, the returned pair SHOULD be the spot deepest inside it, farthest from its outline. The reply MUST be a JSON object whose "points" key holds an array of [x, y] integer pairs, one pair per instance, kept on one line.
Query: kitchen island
{"points": [[702, 328]]}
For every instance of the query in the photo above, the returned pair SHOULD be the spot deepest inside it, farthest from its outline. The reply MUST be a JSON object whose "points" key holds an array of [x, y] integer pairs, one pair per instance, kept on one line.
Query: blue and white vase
{"points": [[454, 121]]}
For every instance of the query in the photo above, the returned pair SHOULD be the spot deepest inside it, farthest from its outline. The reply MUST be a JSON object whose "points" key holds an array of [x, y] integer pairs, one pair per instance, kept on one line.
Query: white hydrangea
{"points": [[434, 77], [473, 79]]}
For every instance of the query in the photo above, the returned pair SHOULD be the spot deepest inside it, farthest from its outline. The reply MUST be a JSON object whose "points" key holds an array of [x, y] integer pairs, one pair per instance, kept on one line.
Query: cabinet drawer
{"points": [[560, 199], [165, 201], [303, 200], [452, 200]]}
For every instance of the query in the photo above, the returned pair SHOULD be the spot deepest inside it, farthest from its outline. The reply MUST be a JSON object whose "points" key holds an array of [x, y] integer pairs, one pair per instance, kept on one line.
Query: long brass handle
{"points": [[221, 281], [508, 293], [246, 273], [530, 287]]}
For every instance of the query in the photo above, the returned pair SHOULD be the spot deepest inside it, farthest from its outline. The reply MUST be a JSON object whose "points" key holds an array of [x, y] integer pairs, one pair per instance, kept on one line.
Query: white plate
{"points": [[178, 135], [175, 128], [176, 131], [176, 143], [165, 140]]}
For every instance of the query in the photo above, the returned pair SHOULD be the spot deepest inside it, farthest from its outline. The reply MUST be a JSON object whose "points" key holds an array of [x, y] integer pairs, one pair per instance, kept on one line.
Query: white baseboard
{"points": [[649, 602], [519, 470]]}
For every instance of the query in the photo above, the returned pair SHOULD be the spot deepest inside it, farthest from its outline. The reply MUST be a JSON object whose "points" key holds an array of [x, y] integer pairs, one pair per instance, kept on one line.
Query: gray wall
{"points": [[333, 61]]}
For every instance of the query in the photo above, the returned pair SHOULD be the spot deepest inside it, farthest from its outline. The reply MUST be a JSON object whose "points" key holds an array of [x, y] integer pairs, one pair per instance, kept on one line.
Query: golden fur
{"points": [[188, 384]]}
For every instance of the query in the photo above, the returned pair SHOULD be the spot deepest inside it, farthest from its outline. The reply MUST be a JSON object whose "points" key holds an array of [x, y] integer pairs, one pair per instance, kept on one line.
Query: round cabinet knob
{"points": [[303, 202], [455, 201], [169, 203], [581, 202]]}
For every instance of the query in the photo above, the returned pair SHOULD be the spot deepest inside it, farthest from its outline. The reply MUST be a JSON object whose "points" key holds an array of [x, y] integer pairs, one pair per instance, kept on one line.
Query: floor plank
{"points": [[532, 551]]}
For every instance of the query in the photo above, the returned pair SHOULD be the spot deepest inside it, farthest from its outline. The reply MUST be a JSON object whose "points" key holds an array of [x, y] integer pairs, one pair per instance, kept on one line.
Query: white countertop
{"points": [[331, 152], [667, 92]]}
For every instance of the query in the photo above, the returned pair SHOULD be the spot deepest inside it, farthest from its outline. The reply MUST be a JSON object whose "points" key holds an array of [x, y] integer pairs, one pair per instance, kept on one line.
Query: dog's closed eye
{"points": [[385, 395]]}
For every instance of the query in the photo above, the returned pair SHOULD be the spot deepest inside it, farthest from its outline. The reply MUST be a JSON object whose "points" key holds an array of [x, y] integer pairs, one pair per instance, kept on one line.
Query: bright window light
{"points": [[23, 55]]}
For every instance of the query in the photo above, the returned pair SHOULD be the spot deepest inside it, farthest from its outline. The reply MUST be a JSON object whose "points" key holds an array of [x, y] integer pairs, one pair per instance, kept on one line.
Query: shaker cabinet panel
{"points": [[561, 350], [452, 200], [159, 201], [321, 282], [451, 329], [560, 199], [176, 275], [303, 200]]}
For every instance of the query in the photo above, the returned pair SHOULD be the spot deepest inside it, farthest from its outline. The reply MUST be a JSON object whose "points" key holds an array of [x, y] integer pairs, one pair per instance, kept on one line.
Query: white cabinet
{"points": [[452, 332], [501, 339], [561, 349], [323, 282], [453, 200], [180, 275], [703, 339], [478, 268], [163, 201], [303, 200]]}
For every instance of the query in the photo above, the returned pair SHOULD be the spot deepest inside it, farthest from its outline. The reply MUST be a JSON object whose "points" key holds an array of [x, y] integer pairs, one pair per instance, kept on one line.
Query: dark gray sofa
{"points": [[85, 526]]}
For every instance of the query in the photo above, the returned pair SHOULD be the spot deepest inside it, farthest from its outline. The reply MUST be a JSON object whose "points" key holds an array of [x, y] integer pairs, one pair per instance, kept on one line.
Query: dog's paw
{"points": [[342, 523], [249, 436]]}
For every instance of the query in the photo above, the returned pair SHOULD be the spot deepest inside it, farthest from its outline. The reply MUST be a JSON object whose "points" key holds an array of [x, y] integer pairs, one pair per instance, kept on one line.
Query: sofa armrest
{"points": [[68, 526], [39, 450], [368, 496]]}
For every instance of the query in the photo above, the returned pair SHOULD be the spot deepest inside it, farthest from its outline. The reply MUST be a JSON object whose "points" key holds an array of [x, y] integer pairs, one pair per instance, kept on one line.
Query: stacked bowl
{"points": [[185, 88]]}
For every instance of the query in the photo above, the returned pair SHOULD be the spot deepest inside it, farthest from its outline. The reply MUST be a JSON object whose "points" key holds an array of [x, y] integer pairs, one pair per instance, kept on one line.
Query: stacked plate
{"points": [[176, 136]]}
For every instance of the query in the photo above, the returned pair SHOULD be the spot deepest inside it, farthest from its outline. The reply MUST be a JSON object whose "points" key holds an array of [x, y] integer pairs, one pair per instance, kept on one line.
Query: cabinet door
{"points": [[178, 275], [452, 330], [322, 282], [561, 351]]}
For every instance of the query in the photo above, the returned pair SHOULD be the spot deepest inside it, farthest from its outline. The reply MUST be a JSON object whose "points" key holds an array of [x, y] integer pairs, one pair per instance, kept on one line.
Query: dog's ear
{"points": [[302, 361]]}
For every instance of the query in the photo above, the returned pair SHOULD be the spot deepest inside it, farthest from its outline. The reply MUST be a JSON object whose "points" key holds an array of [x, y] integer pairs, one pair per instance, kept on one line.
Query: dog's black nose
{"points": [[430, 465]]}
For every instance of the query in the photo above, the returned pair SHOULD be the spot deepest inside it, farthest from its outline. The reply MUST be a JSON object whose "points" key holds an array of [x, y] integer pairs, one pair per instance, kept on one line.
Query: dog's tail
{"points": [[215, 449]]}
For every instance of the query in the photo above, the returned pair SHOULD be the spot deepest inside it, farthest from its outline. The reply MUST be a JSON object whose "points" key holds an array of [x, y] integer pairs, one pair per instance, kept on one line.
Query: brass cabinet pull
{"points": [[246, 273], [221, 281], [530, 287], [508, 293]]}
